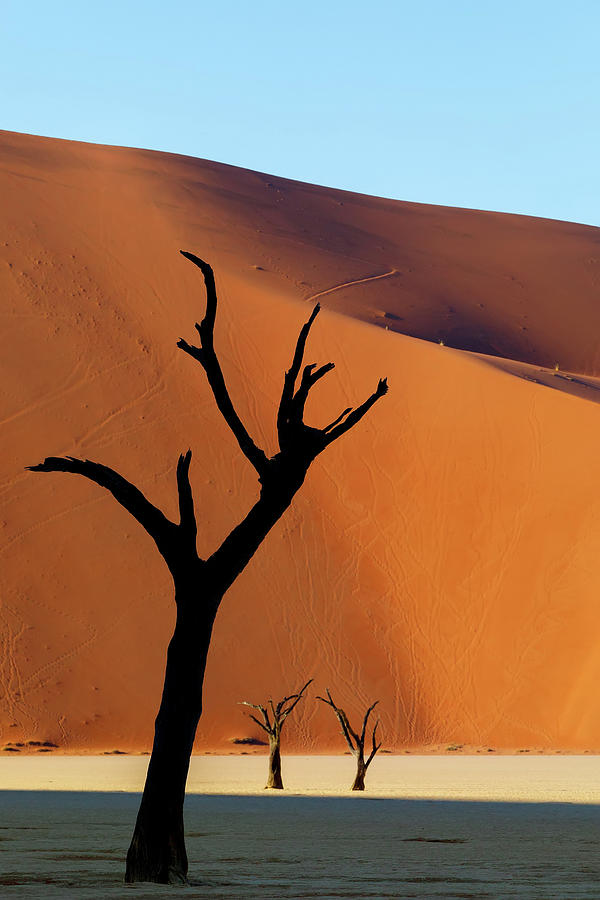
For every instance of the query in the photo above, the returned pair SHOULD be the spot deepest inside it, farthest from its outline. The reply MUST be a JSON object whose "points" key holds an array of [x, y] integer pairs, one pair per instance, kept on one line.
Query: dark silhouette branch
{"points": [[299, 443], [309, 378], [335, 421], [267, 724], [350, 736], [187, 516], [279, 714], [366, 719], [264, 727], [356, 414], [206, 356], [376, 746], [284, 713], [289, 381], [160, 529], [356, 742], [294, 434]]}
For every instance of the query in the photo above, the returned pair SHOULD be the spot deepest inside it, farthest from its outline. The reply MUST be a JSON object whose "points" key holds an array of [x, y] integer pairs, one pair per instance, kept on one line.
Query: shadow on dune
{"points": [[586, 387]]}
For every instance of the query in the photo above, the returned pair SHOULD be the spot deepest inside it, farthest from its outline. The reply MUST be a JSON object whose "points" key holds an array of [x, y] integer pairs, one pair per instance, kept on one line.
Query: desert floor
{"points": [[453, 827]]}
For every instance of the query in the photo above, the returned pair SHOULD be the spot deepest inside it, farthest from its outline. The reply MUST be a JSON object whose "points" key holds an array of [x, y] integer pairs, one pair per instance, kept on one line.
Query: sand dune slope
{"points": [[443, 557]]}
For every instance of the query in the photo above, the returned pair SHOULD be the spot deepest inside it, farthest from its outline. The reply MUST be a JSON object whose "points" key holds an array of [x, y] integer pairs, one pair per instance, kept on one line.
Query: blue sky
{"points": [[489, 105]]}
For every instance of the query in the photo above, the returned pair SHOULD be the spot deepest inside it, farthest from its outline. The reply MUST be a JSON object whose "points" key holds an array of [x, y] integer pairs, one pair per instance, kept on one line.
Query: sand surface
{"points": [[489, 828], [443, 557], [534, 779]]}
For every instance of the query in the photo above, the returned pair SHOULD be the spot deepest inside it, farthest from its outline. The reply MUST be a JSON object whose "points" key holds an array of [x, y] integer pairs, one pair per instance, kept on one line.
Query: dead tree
{"points": [[273, 728], [355, 741], [157, 852]]}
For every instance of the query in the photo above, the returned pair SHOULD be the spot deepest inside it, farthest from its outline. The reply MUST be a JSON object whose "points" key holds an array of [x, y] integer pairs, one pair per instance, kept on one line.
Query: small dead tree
{"points": [[273, 728], [157, 851], [355, 741]]}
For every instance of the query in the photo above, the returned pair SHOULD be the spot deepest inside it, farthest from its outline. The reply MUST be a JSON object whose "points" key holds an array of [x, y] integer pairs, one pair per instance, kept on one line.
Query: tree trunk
{"points": [[361, 771], [157, 852], [274, 780]]}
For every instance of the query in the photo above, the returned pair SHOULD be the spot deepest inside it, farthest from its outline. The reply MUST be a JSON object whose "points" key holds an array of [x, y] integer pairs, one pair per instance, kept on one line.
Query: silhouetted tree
{"points": [[157, 852], [355, 741], [273, 728]]}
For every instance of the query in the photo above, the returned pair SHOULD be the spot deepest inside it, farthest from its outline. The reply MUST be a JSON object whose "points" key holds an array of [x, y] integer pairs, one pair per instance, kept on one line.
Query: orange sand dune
{"points": [[443, 557]]}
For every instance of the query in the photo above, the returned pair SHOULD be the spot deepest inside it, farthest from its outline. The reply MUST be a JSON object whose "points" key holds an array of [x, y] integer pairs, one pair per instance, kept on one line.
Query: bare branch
{"points": [[309, 378], [273, 713], [336, 421], [253, 706], [264, 712], [295, 697], [347, 731], [206, 356], [196, 352], [278, 713], [160, 529], [289, 381], [351, 731], [264, 727], [332, 433], [351, 737], [300, 346], [365, 720], [187, 517], [329, 700], [376, 746], [297, 438]]}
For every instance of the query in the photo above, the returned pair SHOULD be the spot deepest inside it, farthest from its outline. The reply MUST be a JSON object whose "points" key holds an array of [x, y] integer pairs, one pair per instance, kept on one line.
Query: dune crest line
{"points": [[338, 287]]}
